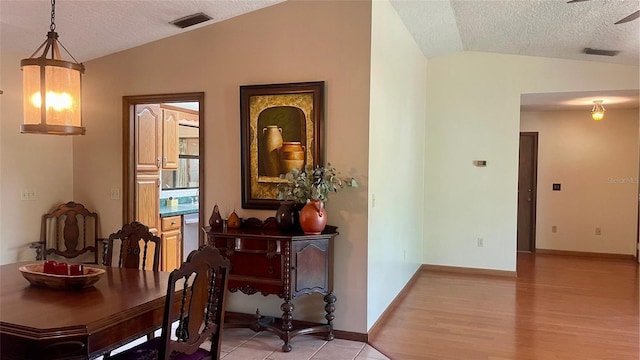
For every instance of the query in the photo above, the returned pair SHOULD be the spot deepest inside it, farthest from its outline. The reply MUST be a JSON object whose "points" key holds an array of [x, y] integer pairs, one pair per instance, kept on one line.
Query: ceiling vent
{"points": [[190, 20], [601, 52]]}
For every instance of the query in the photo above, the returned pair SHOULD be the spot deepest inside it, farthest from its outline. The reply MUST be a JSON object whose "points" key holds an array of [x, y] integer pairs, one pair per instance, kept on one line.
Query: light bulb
{"points": [[57, 101], [597, 113]]}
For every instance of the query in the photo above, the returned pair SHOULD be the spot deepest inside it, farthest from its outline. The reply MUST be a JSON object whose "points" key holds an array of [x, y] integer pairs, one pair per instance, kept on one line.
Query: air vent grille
{"points": [[190, 20], [601, 52]]}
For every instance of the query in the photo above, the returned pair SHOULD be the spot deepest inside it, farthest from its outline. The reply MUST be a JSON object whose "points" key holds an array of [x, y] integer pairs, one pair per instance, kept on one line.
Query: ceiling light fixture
{"points": [[597, 113], [52, 89]]}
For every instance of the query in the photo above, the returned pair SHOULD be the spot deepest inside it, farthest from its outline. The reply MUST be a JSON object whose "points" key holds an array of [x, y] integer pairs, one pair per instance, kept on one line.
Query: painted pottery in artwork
{"points": [[291, 156], [271, 144], [313, 217], [288, 216]]}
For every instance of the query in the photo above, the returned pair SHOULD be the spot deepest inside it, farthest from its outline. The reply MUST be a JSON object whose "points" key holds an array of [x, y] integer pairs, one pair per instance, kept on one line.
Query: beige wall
{"points": [[596, 162], [290, 42], [473, 113], [396, 156], [42, 163]]}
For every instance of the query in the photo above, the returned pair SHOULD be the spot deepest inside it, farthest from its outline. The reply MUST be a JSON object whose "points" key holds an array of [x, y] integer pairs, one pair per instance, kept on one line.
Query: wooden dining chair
{"points": [[133, 246], [68, 232], [196, 297]]}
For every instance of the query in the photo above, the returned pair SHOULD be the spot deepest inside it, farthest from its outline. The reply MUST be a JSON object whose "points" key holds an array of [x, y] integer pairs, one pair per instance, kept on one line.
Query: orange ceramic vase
{"points": [[313, 217]]}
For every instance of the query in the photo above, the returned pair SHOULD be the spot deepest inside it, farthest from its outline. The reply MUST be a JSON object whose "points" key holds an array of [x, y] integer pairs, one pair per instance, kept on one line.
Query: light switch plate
{"points": [[115, 194], [28, 195]]}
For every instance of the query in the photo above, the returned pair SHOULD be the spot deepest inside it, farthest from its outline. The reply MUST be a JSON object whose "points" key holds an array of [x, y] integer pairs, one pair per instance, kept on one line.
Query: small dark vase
{"points": [[215, 221], [313, 217], [287, 216]]}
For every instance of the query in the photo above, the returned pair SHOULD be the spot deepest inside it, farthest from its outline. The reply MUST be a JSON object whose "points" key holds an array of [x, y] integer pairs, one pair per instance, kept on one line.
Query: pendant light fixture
{"points": [[597, 113], [52, 89]]}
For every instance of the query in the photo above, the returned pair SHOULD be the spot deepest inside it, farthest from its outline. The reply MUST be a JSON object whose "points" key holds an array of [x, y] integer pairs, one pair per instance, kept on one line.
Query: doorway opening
{"points": [[589, 204], [163, 170]]}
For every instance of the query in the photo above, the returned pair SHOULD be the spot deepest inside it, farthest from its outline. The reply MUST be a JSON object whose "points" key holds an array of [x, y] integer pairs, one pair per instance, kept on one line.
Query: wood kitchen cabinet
{"points": [[169, 139], [172, 117], [171, 238], [147, 137], [267, 261], [148, 201], [147, 155]]}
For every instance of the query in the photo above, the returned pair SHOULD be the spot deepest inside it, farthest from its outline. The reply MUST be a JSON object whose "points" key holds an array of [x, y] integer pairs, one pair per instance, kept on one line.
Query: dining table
{"points": [[44, 323]]}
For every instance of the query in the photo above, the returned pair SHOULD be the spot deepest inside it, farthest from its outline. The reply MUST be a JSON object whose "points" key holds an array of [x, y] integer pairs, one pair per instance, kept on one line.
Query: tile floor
{"points": [[244, 344]]}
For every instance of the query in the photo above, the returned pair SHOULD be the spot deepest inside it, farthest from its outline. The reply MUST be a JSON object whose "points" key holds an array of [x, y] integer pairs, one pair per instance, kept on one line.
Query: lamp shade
{"points": [[51, 93], [52, 89]]}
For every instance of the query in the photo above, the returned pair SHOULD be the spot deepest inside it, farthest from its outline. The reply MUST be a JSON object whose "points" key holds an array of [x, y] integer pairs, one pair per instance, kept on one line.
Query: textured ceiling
{"points": [[549, 28], [94, 28]]}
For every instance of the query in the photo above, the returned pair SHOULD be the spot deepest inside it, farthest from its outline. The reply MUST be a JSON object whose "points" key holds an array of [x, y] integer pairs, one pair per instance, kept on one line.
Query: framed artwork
{"points": [[281, 129]]}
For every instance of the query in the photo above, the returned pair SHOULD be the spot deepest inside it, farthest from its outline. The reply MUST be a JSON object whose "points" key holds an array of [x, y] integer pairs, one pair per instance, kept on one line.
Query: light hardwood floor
{"points": [[558, 308]]}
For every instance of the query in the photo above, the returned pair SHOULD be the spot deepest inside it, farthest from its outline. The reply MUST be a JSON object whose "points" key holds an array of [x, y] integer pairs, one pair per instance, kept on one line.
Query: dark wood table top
{"points": [[33, 312], [267, 233]]}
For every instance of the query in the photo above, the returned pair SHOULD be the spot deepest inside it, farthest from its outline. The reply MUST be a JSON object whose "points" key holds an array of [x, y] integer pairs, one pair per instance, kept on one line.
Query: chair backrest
{"points": [[133, 246], [70, 232], [198, 305]]}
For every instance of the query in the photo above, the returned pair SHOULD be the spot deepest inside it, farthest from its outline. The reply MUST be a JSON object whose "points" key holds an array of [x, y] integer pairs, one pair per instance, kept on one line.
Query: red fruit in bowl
{"points": [[62, 268], [49, 267], [76, 269]]}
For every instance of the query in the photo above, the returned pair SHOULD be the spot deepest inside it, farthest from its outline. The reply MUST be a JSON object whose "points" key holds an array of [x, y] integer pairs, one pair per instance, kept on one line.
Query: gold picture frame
{"points": [[281, 128]]}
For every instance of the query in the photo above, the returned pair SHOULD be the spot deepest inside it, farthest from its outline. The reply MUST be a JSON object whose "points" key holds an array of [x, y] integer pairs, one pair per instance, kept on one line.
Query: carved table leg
{"points": [[330, 299], [287, 316]]}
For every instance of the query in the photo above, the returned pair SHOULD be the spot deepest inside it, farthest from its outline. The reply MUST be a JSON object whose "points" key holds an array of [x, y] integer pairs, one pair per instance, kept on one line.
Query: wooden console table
{"points": [[268, 261]]}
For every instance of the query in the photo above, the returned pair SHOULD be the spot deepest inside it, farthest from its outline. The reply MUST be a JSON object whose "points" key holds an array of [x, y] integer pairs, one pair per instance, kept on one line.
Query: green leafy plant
{"points": [[312, 183]]}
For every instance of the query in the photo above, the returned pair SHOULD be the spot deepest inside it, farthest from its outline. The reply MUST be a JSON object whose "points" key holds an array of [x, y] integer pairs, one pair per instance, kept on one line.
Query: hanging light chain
{"points": [[53, 15]]}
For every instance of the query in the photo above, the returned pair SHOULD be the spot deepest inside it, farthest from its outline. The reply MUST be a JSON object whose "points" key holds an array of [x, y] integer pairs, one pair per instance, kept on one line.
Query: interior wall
{"points": [[396, 157], [473, 102], [596, 163], [2, 106], [294, 41], [39, 163]]}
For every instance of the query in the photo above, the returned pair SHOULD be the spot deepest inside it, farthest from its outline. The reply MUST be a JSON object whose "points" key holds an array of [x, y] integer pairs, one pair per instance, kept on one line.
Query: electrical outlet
{"points": [[28, 195], [115, 194], [480, 242], [554, 229], [598, 231]]}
